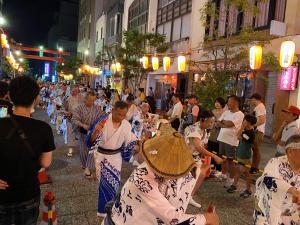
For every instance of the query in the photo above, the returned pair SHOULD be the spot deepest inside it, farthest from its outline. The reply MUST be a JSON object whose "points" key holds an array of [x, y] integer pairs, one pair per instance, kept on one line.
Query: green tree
{"points": [[136, 45], [228, 54], [70, 66]]}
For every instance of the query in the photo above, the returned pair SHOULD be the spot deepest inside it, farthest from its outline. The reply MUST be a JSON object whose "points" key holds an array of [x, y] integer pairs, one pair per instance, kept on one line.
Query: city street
{"points": [[76, 197]]}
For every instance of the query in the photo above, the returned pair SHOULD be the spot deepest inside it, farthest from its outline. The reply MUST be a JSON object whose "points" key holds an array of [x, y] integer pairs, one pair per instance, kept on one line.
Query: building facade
{"points": [[88, 11]]}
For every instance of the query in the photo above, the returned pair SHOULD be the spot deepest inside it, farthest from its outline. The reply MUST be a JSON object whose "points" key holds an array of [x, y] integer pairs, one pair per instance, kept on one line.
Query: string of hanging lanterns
{"points": [[286, 59], [181, 61]]}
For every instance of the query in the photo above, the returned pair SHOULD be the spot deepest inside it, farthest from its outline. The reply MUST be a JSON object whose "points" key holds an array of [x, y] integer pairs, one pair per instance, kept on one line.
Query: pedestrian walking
{"points": [[26, 146], [112, 140], [83, 117]]}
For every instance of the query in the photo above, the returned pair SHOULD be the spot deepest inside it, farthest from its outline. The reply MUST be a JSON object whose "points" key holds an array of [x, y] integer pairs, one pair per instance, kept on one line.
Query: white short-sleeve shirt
{"points": [[260, 110], [177, 110], [229, 135]]}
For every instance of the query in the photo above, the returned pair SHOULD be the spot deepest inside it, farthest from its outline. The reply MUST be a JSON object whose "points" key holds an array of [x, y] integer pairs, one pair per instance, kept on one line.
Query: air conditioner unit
{"points": [[277, 28]]}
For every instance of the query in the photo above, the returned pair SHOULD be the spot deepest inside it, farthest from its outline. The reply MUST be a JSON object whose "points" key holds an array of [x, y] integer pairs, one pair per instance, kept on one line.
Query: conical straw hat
{"points": [[168, 155]]}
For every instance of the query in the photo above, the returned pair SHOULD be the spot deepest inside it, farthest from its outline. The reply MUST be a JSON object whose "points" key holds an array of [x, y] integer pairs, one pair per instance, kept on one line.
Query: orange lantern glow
{"points": [[167, 62], [113, 68], [145, 62], [155, 63], [287, 52], [255, 57], [181, 63]]}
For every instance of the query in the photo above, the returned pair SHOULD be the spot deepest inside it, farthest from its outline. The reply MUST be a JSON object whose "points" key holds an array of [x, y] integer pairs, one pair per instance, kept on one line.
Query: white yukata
{"points": [[108, 166], [274, 205], [148, 199]]}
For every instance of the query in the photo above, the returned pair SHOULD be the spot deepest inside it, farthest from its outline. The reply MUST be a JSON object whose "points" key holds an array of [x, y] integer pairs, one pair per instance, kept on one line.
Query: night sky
{"points": [[28, 21]]}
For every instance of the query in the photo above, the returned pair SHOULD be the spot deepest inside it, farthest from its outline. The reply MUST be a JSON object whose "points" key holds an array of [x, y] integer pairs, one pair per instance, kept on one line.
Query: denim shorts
{"points": [[23, 213], [228, 150]]}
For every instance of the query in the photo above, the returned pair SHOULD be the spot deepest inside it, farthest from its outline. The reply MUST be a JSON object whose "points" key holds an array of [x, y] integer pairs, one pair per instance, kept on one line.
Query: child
{"points": [[244, 153]]}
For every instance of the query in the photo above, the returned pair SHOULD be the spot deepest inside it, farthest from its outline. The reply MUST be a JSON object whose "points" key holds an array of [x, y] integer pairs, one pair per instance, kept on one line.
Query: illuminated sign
{"points": [[47, 69], [289, 77]]}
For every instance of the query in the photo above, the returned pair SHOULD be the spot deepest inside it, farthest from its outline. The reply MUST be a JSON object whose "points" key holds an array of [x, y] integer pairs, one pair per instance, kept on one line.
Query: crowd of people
{"points": [[109, 128]]}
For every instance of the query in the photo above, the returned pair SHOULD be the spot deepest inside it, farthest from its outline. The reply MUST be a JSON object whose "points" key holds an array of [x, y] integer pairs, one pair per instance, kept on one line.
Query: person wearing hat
{"points": [[277, 197], [158, 191], [288, 128]]}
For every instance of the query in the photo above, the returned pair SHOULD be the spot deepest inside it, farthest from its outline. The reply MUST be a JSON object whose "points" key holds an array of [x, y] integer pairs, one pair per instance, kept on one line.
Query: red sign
{"points": [[289, 77]]}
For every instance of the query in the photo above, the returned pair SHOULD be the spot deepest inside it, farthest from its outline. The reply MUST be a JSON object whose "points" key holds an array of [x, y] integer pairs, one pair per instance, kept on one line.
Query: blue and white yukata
{"points": [[148, 199], [273, 204], [108, 166]]}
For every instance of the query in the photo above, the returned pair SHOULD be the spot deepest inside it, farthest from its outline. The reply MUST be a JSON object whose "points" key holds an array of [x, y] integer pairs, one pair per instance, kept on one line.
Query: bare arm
{"points": [[226, 124], [204, 151], [46, 159], [277, 135], [261, 120]]}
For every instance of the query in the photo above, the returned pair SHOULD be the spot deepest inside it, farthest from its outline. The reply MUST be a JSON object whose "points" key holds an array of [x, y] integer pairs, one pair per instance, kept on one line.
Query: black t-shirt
{"points": [[248, 136], [8, 105], [17, 166]]}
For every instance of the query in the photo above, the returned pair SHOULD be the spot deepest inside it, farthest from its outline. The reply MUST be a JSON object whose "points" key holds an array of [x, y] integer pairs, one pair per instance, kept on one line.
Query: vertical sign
{"points": [[289, 77], [47, 69]]}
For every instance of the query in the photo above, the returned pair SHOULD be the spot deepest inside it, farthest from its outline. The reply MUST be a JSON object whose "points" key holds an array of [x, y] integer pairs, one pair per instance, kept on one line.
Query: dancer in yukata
{"points": [[83, 117], [111, 140], [278, 189], [159, 190]]}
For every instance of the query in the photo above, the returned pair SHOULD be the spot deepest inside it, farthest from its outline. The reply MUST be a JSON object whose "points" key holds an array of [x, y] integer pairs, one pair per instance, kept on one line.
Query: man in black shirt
{"points": [[6, 108], [26, 146]]}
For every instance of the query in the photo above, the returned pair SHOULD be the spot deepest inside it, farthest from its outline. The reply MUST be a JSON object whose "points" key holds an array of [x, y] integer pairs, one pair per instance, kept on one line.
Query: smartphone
{"points": [[3, 112]]}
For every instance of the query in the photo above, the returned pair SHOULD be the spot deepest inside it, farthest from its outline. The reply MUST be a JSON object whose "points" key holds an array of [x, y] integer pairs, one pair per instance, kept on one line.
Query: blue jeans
{"points": [[24, 213]]}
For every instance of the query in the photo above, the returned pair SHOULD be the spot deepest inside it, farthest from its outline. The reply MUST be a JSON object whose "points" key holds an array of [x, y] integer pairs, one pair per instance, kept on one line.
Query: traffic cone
{"points": [[43, 177], [49, 211]]}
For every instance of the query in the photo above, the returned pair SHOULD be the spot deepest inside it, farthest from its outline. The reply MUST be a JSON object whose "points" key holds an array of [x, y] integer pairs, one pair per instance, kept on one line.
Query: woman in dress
{"points": [[277, 197]]}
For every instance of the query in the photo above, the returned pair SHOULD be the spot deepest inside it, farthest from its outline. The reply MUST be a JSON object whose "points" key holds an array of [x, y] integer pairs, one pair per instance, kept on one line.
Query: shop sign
{"points": [[289, 76]]}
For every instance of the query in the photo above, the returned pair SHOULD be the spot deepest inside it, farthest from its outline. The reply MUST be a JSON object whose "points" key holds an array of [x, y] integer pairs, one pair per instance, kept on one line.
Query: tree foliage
{"points": [[228, 55], [70, 66], [136, 45]]}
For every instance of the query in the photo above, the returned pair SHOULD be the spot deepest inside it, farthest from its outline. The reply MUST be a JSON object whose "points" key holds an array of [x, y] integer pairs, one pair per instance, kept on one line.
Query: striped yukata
{"points": [[86, 115], [108, 166]]}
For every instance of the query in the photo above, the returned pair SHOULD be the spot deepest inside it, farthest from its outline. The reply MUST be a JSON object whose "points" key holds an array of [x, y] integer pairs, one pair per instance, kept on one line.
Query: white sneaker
{"points": [[228, 183], [194, 203], [223, 176], [101, 215]]}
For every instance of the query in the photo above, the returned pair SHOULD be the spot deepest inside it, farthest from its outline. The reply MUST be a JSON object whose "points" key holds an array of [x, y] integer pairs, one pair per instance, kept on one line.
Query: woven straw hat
{"points": [[167, 154]]}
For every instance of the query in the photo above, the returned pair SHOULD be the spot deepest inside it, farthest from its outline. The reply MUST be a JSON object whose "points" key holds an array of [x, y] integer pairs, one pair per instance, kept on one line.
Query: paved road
{"points": [[76, 197]]}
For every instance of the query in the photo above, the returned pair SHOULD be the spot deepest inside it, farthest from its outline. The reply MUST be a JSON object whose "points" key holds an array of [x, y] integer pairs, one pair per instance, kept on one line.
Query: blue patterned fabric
{"points": [[128, 150], [104, 116], [108, 185]]}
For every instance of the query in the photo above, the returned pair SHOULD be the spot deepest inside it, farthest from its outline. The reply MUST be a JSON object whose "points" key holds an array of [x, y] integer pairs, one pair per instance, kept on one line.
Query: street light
{"points": [[86, 52], [60, 49], [41, 47], [21, 59], [2, 21], [18, 52]]}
